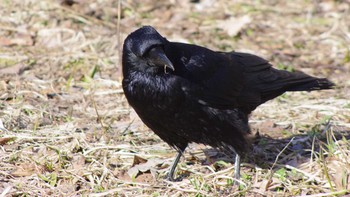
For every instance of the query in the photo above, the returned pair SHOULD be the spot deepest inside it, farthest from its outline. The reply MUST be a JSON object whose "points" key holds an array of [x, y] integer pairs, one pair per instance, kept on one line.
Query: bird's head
{"points": [[143, 50]]}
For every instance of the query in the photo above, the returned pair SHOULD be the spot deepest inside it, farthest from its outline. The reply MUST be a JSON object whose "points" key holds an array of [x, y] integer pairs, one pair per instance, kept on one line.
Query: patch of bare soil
{"points": [[67, 130]]}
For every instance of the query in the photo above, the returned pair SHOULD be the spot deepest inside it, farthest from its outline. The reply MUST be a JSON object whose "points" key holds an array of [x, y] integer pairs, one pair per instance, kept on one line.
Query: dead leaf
{"points": [[234, 25], [341, 176], [14, 69], [263, 185], [121, 174], [145, 178], [24, 169], [5, 140], [138, 160], [3, 86], [133, 171], [5, 42], [78, 161], [144, 167], [20, 39]]}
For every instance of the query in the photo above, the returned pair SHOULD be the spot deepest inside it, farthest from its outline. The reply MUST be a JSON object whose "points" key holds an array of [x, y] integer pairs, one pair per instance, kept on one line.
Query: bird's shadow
{"points": [[266, 151]]}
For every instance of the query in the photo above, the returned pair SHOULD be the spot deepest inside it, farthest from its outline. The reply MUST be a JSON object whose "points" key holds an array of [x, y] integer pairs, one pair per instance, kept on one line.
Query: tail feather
{"points": [[315, 84], [282, 81]]}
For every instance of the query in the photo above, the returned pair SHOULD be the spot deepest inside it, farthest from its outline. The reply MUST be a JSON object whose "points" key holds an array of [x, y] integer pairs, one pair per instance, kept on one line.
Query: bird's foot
{"points": [[172, 179]]}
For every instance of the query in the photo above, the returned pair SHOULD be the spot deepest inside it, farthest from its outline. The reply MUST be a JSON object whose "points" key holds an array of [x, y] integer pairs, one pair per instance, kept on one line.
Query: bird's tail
{"points": [[312, 84], [281, 81]]}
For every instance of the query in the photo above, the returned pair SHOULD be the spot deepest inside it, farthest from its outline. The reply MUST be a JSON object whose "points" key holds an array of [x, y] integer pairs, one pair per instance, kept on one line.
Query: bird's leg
{"points": [[237, 174], [170, 175]]}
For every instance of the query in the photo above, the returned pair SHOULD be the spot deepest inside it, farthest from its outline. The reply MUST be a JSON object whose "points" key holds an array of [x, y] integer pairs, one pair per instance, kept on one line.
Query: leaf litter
{"points": [[67, 130]]}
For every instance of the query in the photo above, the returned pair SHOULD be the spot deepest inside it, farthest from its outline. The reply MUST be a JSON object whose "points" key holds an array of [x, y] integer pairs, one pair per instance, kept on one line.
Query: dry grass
{"points": [[68, 131]]}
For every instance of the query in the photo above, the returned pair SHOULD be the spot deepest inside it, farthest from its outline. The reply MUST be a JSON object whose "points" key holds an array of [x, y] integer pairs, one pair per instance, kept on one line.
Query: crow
{"points": [[187, 93]]}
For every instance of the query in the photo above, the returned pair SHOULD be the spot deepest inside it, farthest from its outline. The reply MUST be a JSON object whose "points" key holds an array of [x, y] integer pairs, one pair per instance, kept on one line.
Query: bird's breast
{"points": [[152, 93]]}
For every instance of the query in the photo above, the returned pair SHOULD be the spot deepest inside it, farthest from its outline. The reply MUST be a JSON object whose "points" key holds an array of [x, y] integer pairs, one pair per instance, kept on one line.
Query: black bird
{"points": [[187, 93]]}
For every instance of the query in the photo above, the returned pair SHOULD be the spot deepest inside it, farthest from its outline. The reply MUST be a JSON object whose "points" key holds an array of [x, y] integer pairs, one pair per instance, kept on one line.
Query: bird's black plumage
{"points": [[187, 93]]}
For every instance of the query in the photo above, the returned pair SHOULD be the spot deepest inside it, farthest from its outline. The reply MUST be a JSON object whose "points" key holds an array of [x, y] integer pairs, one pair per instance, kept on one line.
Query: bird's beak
{"points": [[158, 57]]}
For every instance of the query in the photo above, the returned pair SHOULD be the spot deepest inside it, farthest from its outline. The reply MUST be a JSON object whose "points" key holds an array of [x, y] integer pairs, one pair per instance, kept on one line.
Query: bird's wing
{"points": [[233, 80], [218, 78], [255, 71]]}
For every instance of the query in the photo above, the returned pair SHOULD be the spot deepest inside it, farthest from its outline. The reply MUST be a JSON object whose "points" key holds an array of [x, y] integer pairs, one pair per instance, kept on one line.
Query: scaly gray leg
{"points": [[170, 175], [237, 174]]}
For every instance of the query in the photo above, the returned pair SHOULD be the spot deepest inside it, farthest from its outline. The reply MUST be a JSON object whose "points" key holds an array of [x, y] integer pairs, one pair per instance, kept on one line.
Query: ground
{"points": [[67, 130]]}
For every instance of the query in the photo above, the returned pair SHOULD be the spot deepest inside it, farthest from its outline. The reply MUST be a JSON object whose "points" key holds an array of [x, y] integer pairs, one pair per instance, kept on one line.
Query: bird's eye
{"points": [[149, 49]]}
